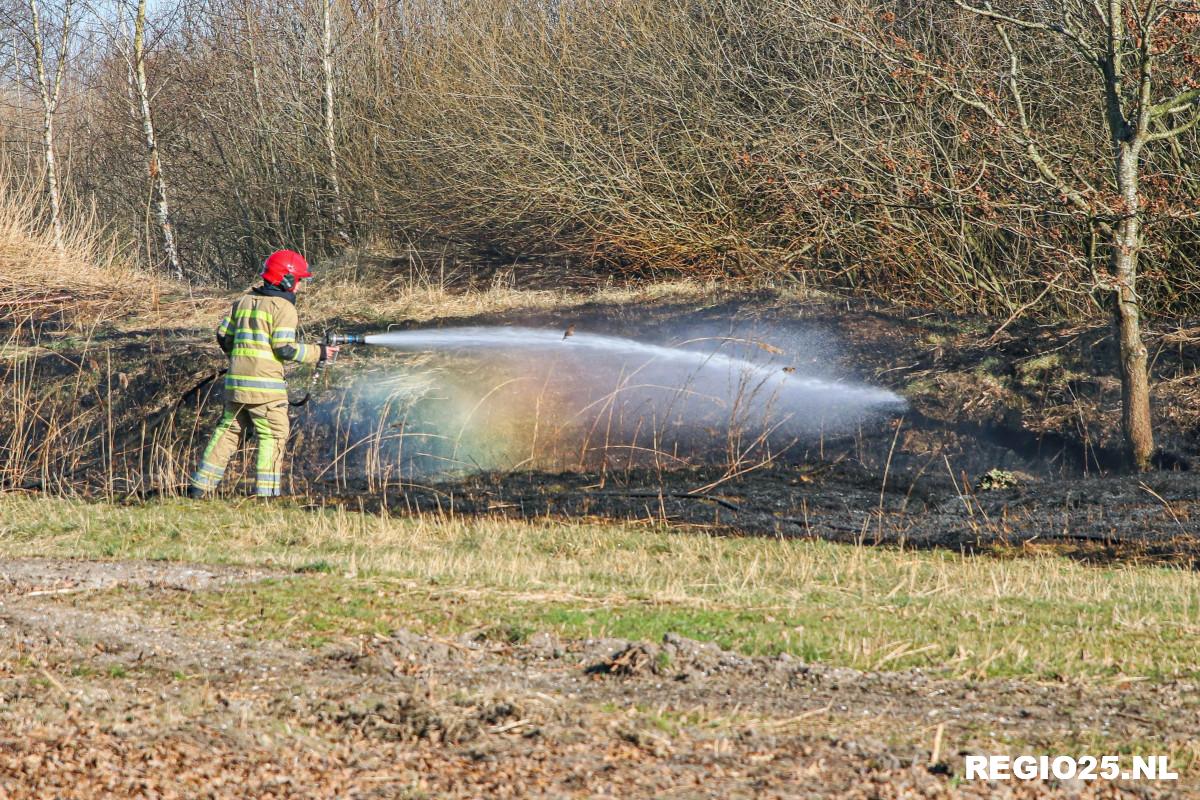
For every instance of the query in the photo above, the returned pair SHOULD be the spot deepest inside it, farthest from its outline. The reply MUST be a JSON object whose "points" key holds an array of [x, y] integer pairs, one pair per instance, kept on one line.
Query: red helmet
{"points": [[285, 268]]}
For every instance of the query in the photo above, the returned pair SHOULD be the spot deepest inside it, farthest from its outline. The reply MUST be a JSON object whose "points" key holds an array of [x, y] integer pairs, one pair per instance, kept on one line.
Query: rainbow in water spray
{"points": [[499, 398]]}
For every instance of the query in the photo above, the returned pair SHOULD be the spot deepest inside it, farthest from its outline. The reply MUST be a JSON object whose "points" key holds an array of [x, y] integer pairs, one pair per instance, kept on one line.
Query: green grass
{"points": [[350, 573]]}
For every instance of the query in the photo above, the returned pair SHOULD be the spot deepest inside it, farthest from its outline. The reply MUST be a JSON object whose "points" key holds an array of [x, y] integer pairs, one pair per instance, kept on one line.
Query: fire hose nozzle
{"points": [[338, 339], [331, 340]]}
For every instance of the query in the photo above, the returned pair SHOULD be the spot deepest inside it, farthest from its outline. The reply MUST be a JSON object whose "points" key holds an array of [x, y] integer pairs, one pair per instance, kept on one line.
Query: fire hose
{"points": [[331, 340]]}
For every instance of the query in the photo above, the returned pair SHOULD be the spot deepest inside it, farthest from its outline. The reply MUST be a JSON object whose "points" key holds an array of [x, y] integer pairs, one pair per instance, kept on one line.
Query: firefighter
{"points": [[258, 335]]}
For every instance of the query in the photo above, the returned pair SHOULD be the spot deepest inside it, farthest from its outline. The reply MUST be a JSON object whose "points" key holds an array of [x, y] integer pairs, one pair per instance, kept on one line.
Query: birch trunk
{"points": [[154, 167], [50, 89], [52, 177], [328, 118]]}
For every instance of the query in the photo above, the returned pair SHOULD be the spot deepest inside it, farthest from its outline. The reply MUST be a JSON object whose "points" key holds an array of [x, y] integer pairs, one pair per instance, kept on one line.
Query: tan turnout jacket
{"points": [[259, 335]]}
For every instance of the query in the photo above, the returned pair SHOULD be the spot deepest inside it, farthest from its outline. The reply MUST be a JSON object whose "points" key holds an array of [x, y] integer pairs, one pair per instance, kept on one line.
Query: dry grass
{"points": [[48, 429], [57, 299], [73, 288], [83, 280], [348, 299], [862, 607], [403, 299]]}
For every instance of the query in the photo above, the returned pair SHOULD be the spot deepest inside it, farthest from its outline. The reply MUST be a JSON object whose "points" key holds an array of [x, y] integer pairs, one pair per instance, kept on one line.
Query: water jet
{"points": [[510, 397]]}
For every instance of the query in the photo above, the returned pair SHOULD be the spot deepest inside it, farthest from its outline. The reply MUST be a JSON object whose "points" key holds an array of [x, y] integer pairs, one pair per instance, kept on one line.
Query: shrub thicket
{"points": [[705, 137]]}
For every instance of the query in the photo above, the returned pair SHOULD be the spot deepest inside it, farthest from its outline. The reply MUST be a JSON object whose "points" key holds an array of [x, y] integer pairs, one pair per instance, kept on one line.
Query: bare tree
{"points": [[1141, 53], [49, 86], [158, 181]]}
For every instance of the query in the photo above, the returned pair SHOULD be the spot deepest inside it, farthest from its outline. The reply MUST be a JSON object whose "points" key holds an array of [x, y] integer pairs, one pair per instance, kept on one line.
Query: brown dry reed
{"points": [[80, 282]]}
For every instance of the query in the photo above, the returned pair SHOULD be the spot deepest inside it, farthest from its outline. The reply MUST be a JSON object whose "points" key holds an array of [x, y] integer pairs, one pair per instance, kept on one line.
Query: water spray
{"points": [[687, 365], [499, 397]]}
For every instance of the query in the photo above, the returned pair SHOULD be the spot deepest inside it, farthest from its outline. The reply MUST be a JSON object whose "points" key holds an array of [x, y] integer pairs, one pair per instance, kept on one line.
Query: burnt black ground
{"points": [[1037, 402], [1153, 516]]}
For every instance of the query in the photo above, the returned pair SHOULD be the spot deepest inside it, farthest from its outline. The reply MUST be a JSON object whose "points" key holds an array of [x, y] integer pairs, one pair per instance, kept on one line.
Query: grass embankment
{"points": [[862, 607], [345, 298]]}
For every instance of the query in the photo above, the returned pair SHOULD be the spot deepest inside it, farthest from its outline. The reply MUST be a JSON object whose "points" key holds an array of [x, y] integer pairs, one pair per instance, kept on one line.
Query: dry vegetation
{"points": [[350, 294], [57, 293], [707, 138], [83, 280]]}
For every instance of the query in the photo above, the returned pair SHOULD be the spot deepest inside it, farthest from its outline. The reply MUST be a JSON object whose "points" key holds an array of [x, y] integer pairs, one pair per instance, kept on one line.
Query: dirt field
{"points": [[119, 704]]}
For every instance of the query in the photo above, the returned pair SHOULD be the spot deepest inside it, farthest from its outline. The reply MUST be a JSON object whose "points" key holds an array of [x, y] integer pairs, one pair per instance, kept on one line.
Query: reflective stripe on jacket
{"points": [[259, 334]]}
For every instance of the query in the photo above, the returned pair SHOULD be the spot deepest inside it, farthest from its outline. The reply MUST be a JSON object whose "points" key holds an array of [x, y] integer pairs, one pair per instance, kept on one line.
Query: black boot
{"points": [[195, 493]]}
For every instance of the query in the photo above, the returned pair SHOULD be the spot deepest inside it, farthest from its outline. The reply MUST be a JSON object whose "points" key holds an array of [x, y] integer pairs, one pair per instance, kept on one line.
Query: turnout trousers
{"points": [[269, 421]]}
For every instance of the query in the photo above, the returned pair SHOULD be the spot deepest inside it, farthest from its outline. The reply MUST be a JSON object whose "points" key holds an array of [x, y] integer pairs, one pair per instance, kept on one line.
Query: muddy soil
{"points": [[127, 703], [32, 577]]}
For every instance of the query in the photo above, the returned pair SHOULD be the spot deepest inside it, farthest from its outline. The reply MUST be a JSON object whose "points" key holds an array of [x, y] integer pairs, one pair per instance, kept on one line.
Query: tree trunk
{"points": [[52, 178], [49, 90], [327, 109], [1135, 380], [158, 183]]}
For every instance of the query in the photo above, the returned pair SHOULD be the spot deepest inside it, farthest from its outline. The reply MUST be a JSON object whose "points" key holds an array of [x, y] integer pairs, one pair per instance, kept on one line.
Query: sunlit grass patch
{"points": [[862, 607]]}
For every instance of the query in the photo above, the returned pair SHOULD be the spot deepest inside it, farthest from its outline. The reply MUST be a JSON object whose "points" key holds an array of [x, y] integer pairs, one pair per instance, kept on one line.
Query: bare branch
{"points": [[1031, 149], [64, 46], [1146, 70], [1063, 31], [1171, 133], [1180, 102], [1116, 39]]}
